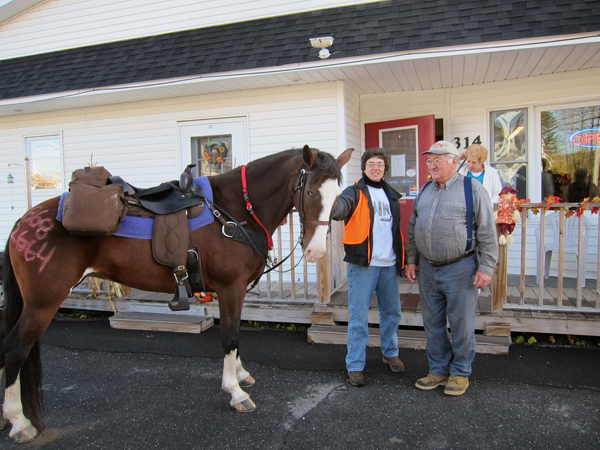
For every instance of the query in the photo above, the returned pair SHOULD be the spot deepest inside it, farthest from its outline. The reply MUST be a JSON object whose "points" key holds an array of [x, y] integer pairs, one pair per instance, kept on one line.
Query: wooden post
{"points": [[580, 260], [324, 277], [292, 265], [500, 279], [542, 251], [279, 257]]}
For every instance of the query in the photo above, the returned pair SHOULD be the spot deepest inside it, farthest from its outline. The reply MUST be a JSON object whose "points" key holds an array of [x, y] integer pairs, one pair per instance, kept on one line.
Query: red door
{"points": [[404, 140]]}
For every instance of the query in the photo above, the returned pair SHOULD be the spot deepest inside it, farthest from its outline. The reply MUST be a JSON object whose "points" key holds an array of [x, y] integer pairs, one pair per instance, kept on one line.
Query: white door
{"points": [[216, 146]]}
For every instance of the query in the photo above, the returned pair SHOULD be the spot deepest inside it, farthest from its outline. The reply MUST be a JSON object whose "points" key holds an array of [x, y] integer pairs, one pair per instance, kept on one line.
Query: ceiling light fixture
{"points": [[322, 43]]}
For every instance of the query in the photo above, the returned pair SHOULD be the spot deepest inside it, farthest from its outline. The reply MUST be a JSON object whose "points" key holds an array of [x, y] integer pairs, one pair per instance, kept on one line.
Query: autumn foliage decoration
{"points": [[507, 215]]}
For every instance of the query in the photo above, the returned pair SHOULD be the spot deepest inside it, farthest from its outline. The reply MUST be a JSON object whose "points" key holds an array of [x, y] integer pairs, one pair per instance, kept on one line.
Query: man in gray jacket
{"points": [[455, 262]]}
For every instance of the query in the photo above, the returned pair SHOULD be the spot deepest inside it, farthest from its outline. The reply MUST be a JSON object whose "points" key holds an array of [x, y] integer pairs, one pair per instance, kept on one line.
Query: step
{"points": [[176, 323], [415, 339]]}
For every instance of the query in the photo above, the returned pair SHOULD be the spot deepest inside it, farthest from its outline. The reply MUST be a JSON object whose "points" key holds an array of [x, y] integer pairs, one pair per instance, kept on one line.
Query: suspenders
{"points": [[469, 201]]}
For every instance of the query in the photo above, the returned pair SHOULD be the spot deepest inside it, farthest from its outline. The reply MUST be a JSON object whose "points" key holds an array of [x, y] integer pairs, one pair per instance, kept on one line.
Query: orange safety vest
{"points": [[359, 226]]}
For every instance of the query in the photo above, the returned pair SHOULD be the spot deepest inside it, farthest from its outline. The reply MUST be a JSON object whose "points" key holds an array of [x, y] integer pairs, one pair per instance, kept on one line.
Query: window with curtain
{"points": [[509, 148], [45, 161]]}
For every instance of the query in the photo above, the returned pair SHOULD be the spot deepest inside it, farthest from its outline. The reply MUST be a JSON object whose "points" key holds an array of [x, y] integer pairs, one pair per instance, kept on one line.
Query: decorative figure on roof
{"points": [[507, 215], [214, 152]]}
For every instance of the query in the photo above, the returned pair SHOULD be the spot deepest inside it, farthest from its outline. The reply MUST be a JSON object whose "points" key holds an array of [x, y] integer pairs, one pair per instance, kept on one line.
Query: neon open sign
{"points": [[589, 138]]}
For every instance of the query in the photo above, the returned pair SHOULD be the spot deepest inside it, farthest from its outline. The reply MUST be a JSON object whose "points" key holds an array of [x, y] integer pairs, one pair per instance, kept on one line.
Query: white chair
{"points": [[571, 232]]}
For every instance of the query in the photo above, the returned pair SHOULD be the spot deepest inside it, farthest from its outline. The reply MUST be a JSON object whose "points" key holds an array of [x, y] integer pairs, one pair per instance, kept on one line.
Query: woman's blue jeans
{"points": [[448, 297], [362, 283]]}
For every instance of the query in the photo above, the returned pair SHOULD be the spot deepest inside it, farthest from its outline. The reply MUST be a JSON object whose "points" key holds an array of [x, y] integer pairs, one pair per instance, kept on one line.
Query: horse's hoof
{"points": [[245, 406], [26, 435], [247, 382]]}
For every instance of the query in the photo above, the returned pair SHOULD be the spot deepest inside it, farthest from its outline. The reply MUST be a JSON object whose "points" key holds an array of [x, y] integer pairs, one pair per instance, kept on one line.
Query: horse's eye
{"points": [[309, 193]]}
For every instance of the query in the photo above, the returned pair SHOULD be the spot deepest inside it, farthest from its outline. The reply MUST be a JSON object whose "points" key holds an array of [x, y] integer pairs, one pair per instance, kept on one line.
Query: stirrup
{"points": [[180, 301]]}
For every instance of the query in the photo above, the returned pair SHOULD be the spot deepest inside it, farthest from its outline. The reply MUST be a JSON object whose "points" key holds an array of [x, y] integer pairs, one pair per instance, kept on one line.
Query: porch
{"points": [[306, 309]]}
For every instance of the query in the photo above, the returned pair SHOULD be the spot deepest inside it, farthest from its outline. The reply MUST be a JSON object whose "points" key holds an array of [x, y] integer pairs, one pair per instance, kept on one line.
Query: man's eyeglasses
{"points": [[435, 162], [378, 165]]}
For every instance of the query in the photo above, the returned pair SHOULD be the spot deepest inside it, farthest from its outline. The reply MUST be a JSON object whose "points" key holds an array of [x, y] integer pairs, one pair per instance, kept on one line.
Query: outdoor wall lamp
{"points": [[322, 43]]}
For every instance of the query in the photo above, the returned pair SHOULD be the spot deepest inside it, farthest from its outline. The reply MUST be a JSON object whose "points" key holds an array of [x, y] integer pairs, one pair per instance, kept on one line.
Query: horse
{"points": [[43, 262]]}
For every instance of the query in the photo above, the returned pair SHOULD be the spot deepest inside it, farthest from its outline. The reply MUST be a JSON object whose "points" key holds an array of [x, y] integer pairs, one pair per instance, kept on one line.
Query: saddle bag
{"points": [[92, 207]]}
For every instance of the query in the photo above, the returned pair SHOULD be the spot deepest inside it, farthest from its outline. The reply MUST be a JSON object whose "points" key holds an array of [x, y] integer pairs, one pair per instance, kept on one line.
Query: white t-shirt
{"points": [[383, 239]]}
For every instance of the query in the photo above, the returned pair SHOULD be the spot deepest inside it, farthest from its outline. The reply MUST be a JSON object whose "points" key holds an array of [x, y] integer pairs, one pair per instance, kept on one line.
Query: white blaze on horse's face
{"points": [[329, 191]]}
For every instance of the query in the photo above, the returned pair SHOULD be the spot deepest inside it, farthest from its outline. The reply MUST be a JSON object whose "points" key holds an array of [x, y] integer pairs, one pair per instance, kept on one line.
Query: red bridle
{"points": [[251, 210]]}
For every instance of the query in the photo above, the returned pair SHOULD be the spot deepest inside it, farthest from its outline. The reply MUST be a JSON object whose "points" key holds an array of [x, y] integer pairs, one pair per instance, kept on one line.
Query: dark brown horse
{"points": [[43, 262]]}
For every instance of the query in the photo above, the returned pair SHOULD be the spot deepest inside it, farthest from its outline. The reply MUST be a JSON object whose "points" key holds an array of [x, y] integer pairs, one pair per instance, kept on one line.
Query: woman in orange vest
{"points": [[374, 250]]}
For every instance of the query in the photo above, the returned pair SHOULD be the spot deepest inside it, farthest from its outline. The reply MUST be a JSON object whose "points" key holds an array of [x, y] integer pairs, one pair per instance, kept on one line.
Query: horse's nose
{"points": [[313, 253]]}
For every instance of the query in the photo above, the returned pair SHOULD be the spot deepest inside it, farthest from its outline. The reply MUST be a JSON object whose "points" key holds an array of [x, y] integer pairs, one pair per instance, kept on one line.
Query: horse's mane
{"points": [[326, 164]]}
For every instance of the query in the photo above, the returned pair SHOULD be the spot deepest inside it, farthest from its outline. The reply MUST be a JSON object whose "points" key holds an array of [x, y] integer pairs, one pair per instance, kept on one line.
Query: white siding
{"points": [[61, 24], [139, 141]]}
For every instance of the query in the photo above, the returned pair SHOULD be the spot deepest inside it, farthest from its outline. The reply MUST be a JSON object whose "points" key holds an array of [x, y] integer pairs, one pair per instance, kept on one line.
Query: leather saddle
{"points": [[171, 204]]}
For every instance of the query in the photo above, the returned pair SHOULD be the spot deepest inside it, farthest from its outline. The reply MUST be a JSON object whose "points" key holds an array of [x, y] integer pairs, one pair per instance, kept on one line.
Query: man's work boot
{"points": [[456, 385], [431, 382]]}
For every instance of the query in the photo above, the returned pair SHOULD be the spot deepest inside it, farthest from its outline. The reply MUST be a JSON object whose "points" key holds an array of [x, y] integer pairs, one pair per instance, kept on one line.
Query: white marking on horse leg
{"points": [[243, 377], [317, 247], [13, 412], [230, 380], [3, 421]]}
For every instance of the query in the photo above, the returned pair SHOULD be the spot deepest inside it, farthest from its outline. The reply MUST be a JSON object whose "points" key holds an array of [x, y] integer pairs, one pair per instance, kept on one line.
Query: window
{"points": [[509, 147], [212, 154], [45, 161], [571, 151], [401, 143]]}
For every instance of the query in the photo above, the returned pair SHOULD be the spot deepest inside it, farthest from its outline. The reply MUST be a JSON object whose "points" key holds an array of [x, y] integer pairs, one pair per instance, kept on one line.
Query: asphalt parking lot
{"points": [[120, 389]]}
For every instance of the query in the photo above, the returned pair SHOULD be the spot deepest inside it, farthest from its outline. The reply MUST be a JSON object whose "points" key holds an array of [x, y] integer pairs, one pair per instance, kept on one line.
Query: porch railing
{"points": [[296, 279], [589, 303]]}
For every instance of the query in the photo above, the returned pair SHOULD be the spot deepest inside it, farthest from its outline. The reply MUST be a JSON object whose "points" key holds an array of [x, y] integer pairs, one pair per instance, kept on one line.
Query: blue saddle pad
{"points": [[141, 227]]}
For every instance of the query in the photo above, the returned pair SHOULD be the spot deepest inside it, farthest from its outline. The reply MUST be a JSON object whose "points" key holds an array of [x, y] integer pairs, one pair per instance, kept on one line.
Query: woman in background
{"points": [[476, 168]]}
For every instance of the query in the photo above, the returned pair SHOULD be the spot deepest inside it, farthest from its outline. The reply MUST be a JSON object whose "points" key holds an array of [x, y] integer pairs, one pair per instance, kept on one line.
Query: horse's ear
{"points": [[344, 157], [310, 157]]}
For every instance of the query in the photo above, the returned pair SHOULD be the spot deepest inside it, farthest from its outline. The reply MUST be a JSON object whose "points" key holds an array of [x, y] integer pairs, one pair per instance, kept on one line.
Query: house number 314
{"points": [[466, 141]]}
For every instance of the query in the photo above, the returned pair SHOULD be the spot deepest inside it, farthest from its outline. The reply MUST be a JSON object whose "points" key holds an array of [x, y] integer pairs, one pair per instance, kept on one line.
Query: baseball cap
{"points": [[442, 148]]}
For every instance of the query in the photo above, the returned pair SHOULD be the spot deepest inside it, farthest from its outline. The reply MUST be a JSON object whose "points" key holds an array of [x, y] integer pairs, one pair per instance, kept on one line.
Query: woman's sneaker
{"points": [[431, 382]]}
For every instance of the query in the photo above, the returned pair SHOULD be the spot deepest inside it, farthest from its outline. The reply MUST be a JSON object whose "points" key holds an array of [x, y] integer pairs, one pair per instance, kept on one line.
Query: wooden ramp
{"points": [[177, 323], [338, 334]]}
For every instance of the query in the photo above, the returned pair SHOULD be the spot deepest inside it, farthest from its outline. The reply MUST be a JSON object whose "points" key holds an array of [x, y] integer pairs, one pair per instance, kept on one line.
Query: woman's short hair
{"points": [[477, 151], [374, 152]]}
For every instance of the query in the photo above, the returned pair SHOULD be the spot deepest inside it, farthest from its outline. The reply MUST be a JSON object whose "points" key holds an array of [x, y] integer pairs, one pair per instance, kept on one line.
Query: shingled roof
{"points": [[369, 29]]}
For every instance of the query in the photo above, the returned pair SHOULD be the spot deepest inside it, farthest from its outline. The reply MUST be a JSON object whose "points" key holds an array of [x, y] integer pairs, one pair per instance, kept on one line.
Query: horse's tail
{"points": [[31, 371]]}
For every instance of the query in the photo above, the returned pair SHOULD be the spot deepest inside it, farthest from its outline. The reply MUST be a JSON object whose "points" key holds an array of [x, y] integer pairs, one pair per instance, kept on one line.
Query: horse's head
{"points": [[316, 190]]}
